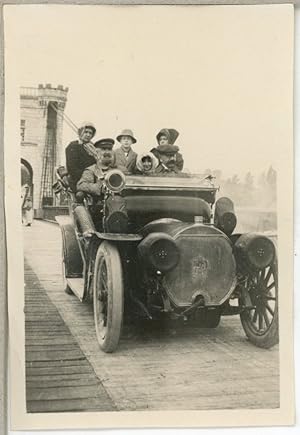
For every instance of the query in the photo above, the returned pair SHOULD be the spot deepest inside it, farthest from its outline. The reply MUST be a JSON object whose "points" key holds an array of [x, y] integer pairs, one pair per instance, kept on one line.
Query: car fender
{"points": [[70, 248], [119, 237]]}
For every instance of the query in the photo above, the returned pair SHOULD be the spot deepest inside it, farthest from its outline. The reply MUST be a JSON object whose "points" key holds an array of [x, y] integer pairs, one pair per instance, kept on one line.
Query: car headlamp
{"points": [[255, 250], [114, 180], [159, 252]]}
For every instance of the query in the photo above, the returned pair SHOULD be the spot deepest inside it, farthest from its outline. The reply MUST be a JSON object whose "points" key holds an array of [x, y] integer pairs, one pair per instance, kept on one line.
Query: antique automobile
{"points": [[151, 247]]}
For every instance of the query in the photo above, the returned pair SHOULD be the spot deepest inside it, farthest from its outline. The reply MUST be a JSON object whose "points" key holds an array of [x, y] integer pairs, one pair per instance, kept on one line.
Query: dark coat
{"points": [[123, 163], [163, 170], [77, 159], [91, 179], [179, 161]]}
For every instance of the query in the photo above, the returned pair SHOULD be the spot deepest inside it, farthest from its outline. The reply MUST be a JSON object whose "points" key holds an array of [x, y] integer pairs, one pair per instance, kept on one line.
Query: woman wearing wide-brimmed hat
{"points": [[125, 156], [168, 136]]}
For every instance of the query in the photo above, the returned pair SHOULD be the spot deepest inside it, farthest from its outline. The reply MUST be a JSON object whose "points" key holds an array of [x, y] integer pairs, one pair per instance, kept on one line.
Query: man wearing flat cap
{"points": [[167, 137], [167, 160], [80, 153], [125, 156], [92, 177]]}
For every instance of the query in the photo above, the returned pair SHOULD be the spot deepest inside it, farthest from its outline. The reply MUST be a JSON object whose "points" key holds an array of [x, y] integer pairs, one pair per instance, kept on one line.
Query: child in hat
{"points": [[125, 156]]}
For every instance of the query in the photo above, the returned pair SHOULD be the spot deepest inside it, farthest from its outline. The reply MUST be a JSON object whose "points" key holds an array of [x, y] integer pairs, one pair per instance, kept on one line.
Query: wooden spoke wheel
{"points": [[260, 323], [108, 296]]}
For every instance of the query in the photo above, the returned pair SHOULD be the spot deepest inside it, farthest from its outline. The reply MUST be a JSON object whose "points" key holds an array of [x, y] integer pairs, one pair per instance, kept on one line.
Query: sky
{"points": [[221, 76]]}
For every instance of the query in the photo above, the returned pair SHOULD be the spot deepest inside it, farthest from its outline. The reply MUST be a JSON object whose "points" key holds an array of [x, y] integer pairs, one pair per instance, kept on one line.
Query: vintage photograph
{"points": [[149, 175]]}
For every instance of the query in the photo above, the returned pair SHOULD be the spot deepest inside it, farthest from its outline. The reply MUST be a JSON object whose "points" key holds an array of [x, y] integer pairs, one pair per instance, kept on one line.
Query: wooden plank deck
{"points": [[58, 376], [153, 368]]}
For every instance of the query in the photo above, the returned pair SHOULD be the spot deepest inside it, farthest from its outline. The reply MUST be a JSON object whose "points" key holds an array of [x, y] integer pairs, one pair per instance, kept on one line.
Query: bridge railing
{"points": [[49, 212]]}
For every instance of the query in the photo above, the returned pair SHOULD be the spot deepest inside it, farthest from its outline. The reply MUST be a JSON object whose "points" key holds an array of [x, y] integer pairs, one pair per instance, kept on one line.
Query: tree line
{"points": [[248, 190]]}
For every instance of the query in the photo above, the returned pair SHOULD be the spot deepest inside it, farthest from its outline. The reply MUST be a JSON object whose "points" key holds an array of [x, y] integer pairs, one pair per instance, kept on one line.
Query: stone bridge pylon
{"points": [[42, 111]]}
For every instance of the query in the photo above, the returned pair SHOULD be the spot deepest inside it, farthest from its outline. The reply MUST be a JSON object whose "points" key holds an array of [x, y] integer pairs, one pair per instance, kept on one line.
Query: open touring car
{"points": [[163, 246]]}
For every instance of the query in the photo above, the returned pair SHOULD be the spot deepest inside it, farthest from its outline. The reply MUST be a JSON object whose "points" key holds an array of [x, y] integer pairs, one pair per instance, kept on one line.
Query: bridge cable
{"points": [[65, 118]]}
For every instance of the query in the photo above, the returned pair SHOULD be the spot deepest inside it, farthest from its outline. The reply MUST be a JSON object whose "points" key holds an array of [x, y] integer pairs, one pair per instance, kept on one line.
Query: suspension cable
{"points": [[69, 120], [65, 118]]}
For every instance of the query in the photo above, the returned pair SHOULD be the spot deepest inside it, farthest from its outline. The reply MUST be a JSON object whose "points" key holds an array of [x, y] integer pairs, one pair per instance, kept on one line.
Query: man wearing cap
{"points": [[80, 153], [92, 177], [125, 156], [168, 136], [167, 159]]}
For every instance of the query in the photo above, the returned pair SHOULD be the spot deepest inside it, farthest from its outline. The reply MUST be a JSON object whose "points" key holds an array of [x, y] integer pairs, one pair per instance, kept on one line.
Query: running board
{"points": [[77, 286]]}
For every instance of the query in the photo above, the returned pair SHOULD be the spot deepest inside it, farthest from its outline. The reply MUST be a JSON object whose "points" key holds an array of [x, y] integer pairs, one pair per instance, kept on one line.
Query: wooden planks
{"points": [[58, 376]]}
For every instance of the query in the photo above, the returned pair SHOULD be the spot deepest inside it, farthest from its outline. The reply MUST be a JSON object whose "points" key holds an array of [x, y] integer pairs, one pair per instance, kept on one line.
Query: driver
{"points": [[80, 153], [92, 177]]}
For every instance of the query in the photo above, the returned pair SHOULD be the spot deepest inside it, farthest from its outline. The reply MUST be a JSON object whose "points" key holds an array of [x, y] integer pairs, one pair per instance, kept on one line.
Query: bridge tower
{"points": [[41, 118]]}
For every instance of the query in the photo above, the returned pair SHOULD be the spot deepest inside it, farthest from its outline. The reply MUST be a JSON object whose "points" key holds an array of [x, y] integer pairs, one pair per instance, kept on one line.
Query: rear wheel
{"points": [[71, 258], [261, 322], [66, 287], [108, 296]]}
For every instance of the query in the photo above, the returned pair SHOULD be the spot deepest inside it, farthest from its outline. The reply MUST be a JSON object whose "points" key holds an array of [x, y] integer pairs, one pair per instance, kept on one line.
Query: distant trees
{"points": [[259, 192], [271, 187], [249, 181]]}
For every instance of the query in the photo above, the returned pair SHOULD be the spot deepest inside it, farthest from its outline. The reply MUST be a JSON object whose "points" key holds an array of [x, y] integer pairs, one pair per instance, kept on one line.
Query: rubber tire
{"points": [[67, 288], [108, 338], [271, 337]]}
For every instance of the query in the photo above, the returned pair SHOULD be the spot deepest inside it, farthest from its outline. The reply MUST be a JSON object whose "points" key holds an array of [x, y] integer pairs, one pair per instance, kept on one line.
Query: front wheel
{"points": [[108, 296], [260, 323]]}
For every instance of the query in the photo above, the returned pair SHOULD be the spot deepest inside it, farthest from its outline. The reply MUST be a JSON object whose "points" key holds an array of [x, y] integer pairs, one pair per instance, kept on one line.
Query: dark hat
{"points": [[155, 152], [167, 149], [126, 132], [170, 133], [104, 143]]}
